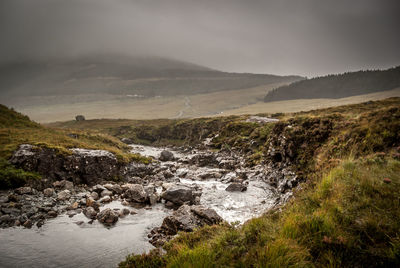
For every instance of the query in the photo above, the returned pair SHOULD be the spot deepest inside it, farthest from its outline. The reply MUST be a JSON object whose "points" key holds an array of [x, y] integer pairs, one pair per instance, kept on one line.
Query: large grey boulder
{"points": [[186, 218], [166, 156], [236, 187], [179, 195], [81, 166]]}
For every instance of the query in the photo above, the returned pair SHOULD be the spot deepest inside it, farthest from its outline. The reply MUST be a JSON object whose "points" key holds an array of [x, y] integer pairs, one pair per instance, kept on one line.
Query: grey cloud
{"points": [[308, 37]]}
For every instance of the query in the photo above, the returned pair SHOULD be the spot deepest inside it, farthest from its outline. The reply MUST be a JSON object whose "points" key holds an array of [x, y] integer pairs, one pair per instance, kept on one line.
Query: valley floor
{"points": [[233, 102]]}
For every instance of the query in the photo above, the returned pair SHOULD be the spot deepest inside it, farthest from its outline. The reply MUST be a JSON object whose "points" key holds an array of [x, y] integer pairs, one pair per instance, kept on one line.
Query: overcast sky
{"points": [[306, 37]]}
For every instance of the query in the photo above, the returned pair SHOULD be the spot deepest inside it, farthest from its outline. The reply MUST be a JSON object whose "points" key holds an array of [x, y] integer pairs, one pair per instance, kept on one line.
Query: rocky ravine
{"points": [[199, 186]]}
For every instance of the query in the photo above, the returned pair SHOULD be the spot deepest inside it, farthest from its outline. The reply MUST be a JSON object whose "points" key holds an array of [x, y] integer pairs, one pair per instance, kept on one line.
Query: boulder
{"points": [[106, 193], [236, 187], [134, 193], [108, 216], [64, 195], [186, 218], [48, 192], [179, 195], [90, 212], [166, 156], [115, 188], [81, 166], [79, 118]]}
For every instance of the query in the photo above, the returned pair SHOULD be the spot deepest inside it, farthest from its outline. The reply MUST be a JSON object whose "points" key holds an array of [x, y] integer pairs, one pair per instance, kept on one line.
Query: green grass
{"points": [[16, 129], [350, 218]]}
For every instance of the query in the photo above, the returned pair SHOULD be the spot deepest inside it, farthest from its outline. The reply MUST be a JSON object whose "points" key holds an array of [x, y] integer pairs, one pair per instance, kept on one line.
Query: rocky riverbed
{"points": [[83, 218]]}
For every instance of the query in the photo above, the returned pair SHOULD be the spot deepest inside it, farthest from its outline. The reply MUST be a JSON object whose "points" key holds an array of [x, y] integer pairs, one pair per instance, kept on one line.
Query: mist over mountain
{"points": [[338, 86], [118, 74]]}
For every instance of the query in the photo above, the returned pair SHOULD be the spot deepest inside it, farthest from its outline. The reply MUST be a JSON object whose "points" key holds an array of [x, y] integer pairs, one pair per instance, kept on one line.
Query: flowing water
{"points": [[61, 242]]}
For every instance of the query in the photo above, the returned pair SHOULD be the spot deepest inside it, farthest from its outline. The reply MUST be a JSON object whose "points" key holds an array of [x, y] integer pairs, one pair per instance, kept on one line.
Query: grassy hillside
{"points": [[121, 75], [16, 129], [338, 86], [347, 214]]}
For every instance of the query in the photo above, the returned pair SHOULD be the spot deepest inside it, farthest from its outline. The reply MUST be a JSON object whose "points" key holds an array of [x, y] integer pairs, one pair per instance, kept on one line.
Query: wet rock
{"points": [[107, 216], [207, 215], [140, 170], [236, 187], [74, 205], [52, 214], [205, 159], [82, 166], [134, 193], [64, 195], [94, 195], [127, 140], [64, 184], [98, 188], [153, 199], [48, 192], [23, 190], [40, 223], [186, 219], [106, 193], [90, 212], [115, 188], [5, 219], [71, 213], [166, 156], [105, 199], [179, 195], [28, 224]]}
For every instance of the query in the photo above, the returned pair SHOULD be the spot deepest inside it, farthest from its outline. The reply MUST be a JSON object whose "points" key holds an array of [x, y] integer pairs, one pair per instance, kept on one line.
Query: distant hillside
{"points": [[116, 74], [338, 86]]}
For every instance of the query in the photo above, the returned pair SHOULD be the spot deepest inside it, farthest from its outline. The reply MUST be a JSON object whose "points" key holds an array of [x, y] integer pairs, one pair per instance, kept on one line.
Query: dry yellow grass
{"points": [[232, 102]]}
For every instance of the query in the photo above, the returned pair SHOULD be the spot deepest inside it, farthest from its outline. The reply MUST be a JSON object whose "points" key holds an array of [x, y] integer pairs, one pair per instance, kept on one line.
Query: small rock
{"points": [[127, 140], [75, 205], [52, 214], [23, 190], [236, 187], [39, 223], [387, 180], [95, 195], [153, 198], [135, 193], [48, 192], [105, 199], [125, 211], [28, 224], [79, 222], [71, 213]]}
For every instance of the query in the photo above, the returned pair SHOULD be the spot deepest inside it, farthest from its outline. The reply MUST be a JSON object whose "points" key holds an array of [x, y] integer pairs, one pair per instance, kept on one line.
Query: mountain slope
{"points": [[338, 86], [116, 74]]}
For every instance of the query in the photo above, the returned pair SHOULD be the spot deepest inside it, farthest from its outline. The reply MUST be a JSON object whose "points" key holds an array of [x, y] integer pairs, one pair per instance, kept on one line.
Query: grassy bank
{"points": [[16, 129], [346, 214]]}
